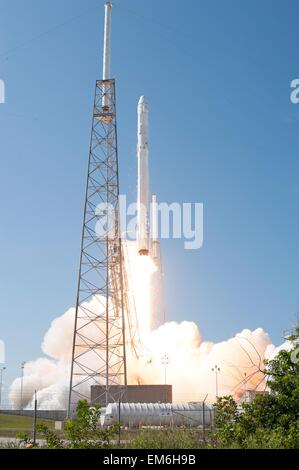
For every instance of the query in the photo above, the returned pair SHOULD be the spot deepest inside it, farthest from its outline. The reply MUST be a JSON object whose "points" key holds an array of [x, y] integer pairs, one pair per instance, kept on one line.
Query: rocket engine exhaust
{"points": [[143, 252]]}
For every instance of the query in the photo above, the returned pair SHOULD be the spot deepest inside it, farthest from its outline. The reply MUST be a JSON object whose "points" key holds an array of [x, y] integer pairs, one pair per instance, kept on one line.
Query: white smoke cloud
{"points": [[190, 362], [48, 377], [272, 351], [58, 339]]}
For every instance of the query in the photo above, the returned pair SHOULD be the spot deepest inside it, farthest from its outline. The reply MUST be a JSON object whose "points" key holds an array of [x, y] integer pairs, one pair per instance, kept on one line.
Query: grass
{"points": [[11, 424]]}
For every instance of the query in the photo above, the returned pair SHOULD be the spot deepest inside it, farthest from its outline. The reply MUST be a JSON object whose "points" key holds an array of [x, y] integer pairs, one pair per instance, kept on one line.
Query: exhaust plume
{"points": [[190, 358]]}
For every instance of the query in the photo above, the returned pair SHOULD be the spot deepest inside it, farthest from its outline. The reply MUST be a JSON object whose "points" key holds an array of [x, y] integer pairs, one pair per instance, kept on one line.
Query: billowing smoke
{"points": [[190, 366]]}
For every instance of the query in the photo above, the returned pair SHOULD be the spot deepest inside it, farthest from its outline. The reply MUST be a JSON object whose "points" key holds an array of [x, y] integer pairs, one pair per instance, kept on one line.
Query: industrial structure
{"points": [[101, 358], [136, 394], [158, 414]]}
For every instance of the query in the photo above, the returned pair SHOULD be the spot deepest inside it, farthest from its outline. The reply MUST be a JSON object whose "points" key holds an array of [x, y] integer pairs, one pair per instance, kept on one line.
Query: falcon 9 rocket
{"points": [[143, 179]]}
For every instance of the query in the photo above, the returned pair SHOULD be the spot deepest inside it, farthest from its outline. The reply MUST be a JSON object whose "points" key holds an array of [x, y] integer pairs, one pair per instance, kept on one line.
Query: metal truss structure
{"points": [[99, 346], [134, 343]]}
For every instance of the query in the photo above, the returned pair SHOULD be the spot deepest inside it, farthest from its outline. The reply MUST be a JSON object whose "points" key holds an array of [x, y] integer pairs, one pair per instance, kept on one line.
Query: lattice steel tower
{"points": [[99, 352]]}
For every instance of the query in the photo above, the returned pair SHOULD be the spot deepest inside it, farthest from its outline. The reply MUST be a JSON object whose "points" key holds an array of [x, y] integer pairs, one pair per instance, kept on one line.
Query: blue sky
{"points": [[222, 132]]}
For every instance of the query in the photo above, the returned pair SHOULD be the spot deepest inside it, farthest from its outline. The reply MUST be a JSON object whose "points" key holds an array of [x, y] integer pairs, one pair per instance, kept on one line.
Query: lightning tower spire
{"points": [[99, 352]]}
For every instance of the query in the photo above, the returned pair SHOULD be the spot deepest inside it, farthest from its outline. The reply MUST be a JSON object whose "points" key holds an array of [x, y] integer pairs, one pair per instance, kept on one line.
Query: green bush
{"points": [[82, 432], [270, 421], [168, 438]]}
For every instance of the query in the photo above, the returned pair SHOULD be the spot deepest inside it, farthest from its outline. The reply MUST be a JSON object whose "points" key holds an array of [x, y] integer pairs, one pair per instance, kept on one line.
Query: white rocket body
{"points": [[143, 179], [154, 221]]}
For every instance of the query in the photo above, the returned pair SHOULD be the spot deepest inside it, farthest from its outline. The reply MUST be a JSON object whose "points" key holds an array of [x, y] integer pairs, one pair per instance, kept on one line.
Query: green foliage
{"points": [[23, 437], [172, 438], [82, 432], [52, 439], [276, 438], [270, 420], [25, 441], [226, 411], [284, 384], [226, 416]]}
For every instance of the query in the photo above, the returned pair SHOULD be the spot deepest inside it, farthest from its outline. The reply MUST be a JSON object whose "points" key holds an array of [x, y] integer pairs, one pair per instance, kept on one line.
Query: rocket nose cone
{"points": [[142, 105]]}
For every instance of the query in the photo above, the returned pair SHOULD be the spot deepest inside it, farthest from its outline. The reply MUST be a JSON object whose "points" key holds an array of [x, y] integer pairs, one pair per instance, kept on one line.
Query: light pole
{"points": [[165, 362], [216, 369], [204, 418], [245, 382], [22, 377], [34, 418], [2, 369]]}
